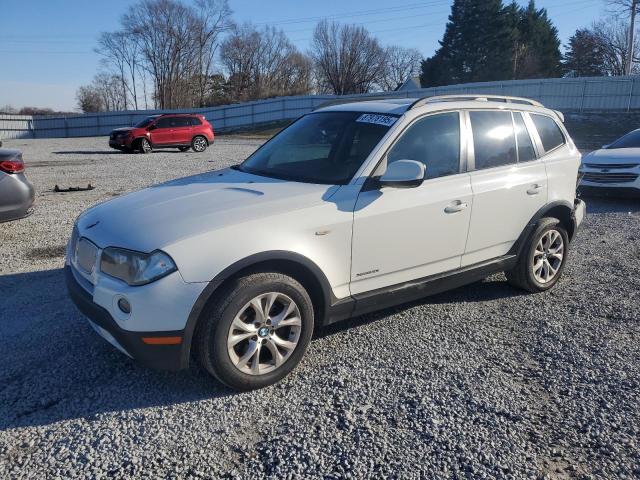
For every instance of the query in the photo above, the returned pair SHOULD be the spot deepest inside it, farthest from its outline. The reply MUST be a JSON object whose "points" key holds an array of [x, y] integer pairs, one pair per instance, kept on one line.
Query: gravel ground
{"points": [[480, 382]]}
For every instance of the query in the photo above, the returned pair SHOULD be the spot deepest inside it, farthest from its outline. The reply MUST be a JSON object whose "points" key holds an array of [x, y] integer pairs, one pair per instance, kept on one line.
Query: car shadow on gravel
{"points": [[602, 204], [54, 367], [89, 152]]}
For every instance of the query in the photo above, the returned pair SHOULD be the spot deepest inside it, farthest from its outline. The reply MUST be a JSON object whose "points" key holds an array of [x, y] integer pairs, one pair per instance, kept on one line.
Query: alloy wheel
{"points": [[145, 145], [548, 256], [199, 144], [264, 334]]}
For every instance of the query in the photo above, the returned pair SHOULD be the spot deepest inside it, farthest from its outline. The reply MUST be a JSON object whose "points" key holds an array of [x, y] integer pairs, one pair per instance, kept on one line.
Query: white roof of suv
{"points": [[399, 106]]}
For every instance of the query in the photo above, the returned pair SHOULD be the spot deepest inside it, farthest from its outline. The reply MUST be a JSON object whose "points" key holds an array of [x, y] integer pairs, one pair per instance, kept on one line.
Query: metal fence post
{"points": [[584, 92], [630, 95]]}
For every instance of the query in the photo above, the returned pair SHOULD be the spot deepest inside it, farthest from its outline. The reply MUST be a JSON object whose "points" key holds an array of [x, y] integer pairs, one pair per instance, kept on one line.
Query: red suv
{"points": [[171, 130]]}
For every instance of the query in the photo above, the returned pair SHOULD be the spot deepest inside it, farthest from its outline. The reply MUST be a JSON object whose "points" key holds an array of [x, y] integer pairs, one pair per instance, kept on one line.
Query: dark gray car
{"points": [[16, 192]]}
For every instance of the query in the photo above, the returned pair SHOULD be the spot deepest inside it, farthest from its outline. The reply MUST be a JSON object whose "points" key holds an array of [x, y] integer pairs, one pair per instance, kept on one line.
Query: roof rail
{"points": [[480, 97]]}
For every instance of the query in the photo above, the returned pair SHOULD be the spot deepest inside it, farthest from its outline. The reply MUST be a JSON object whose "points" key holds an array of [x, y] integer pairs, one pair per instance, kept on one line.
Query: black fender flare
{"points": [[246, 263], [137, 139], [200, 135], [562, 205]]}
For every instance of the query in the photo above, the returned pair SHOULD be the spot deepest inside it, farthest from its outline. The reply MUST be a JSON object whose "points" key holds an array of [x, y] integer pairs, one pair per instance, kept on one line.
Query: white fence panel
{"points": [[566, 94]]}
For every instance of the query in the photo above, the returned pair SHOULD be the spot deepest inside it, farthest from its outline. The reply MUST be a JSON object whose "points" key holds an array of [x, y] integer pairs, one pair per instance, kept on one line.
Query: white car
{"points": [[614, 169], [352, 208]]}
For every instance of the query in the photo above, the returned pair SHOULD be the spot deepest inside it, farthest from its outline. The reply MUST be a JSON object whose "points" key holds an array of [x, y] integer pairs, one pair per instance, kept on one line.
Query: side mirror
{"points": [[151, 127], [604, 147], [403, 174]]}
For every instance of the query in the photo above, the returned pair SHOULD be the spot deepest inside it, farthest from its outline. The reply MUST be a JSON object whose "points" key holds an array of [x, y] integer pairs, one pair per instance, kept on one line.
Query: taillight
{"points": [[12, 166]]}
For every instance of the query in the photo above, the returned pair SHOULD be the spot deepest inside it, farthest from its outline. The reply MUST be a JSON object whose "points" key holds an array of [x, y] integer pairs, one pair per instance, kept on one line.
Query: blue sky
{"points": [[46, 46]]}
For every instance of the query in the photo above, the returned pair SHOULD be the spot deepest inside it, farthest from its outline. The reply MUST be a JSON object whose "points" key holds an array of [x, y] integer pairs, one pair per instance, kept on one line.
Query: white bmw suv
{"points": [[352, 208]]}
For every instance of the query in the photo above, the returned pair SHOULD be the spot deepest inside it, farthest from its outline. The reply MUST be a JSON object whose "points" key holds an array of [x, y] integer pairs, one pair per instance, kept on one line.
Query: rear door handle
{"points": [[455, 207], [534, 189]]}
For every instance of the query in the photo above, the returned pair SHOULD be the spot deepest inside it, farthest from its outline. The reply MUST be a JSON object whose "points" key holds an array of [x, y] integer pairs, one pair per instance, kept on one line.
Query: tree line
{"points": [[172, 54]]}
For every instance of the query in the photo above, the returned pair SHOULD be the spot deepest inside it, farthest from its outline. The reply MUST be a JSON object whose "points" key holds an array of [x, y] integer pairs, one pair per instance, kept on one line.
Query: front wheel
{"points": [[543, 258], [256, 331], [199, 144], [144, 146]]}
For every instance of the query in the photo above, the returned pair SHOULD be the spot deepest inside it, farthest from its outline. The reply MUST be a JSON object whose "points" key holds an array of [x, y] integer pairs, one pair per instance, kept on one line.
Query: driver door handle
{"points": [[455, 207]]}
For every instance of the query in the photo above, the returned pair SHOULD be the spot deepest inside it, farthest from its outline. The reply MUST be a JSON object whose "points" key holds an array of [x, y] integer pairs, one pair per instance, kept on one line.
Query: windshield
{"points": [[325, 147], [630, 140], [145, 122]]}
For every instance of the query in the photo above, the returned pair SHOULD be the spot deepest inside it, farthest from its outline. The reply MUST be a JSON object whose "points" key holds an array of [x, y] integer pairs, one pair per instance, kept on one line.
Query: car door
{"points": [[182, 132], [508, 180], [403, 234], [163, 131]]}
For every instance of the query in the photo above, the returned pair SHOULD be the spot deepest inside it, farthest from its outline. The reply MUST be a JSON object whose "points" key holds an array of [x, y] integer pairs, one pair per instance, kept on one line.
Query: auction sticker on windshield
{"points": [[386, 120]]}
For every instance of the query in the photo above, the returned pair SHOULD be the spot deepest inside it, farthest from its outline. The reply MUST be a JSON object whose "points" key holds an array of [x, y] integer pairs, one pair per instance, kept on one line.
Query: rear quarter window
{"points": [[549, 131]]}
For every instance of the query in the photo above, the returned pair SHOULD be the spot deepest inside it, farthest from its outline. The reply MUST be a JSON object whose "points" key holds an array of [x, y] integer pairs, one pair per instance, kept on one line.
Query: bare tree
{"points": [[213, 17], [162, 30], [104, 94], [176, 46], [263, 63], [612, 35], [622, 8], [121, 52], [347, 58], [399, 64], [89, 99]]}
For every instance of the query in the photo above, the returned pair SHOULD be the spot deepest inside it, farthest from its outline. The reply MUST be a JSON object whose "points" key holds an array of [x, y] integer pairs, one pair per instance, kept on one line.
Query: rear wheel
{"points": [[543, 258], [256, 332], [199, 144]]}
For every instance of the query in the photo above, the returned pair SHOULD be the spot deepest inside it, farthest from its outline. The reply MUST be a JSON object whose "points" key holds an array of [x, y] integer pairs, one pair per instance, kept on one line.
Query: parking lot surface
{"points": [[481, 382]]}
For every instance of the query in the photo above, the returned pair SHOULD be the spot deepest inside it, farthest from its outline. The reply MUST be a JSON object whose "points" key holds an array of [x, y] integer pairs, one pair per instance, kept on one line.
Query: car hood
{"points": [[613, 155], [159, 216], [122, 130]]}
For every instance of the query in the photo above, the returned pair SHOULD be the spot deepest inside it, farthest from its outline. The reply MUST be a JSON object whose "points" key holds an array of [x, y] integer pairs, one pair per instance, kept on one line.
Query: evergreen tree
{"points": [[538, 45], [588, 54], [485, 41], [476, 45]]}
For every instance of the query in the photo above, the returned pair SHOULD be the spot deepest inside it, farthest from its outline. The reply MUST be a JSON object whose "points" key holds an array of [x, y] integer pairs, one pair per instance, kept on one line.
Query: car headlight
{"points": [[136, 268]]}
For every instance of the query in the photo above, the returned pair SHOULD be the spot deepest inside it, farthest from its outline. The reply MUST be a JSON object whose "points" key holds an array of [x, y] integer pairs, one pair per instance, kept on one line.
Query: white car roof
{"points": [[392, 105], [399, 106]]}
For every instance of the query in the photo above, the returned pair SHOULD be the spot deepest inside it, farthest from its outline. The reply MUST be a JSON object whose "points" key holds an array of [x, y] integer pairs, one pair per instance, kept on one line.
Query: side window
{"points": [[549, 132], [195, 121], [164, 122], [493, 139], [433, 140], [526, 152], [182, 122]]}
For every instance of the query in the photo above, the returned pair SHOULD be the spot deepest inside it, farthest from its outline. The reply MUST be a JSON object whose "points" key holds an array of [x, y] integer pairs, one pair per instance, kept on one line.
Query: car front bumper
{"points": [[610, 182], [120, 143], [163, 350], [579, 212]]}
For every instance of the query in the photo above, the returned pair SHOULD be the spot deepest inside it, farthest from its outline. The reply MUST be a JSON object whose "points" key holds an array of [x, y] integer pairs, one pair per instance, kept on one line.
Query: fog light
{"points": [[124, 306]]}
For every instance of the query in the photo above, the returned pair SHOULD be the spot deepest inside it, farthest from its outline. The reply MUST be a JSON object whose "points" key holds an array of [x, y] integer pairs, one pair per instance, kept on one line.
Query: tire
{"points": [[233, 326], [199, 143], [183, 149], [543, 258], [144, 146]]}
